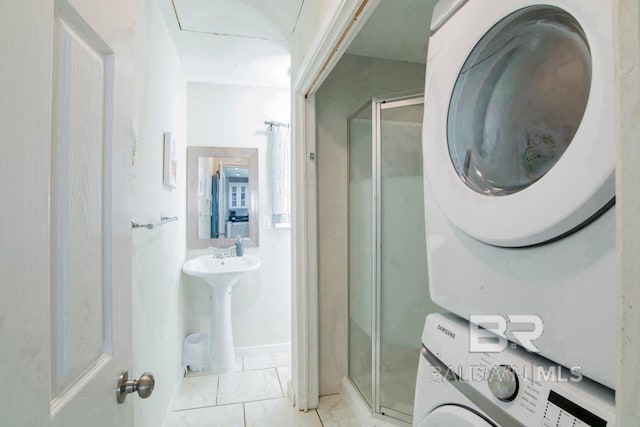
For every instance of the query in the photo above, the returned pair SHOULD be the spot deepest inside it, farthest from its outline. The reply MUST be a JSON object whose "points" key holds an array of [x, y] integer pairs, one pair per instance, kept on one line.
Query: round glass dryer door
{"points": [[453, 416], [519, 100], [518, 134]]}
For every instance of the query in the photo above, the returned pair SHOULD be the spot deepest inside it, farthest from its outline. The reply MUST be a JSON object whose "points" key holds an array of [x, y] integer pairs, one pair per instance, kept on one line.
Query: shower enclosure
{"points": [[388, 294]]}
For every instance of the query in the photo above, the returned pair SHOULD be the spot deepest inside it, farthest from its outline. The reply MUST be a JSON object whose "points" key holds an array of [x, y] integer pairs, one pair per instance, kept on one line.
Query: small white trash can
{"points": [[194, 352]]}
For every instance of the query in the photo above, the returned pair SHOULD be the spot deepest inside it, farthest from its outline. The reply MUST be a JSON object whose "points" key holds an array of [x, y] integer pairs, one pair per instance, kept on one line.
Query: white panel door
{"points": [[73, 326]]}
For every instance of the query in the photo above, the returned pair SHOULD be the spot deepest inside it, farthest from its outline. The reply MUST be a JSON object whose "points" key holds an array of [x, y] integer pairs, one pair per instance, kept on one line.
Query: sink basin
{"points": [[220, 271], [221, 274]]}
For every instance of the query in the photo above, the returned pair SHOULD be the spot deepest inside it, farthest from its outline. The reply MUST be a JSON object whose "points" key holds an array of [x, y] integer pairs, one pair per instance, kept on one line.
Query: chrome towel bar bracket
{"points": [[163, 220]]}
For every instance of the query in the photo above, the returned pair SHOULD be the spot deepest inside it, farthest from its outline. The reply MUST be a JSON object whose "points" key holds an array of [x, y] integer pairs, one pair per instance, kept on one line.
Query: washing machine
{"points": [[519, 160], [514, 388]]}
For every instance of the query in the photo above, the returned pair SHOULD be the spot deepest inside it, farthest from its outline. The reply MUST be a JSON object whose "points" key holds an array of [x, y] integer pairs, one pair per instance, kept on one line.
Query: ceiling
{"points": [[243, 42], [262, 19], [237, 172], [233, 60], [398, 30]]}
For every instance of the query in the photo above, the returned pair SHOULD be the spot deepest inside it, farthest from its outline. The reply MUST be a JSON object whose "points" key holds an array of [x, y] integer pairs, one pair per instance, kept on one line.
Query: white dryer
{"points": [[456, 388], [519, 160]]}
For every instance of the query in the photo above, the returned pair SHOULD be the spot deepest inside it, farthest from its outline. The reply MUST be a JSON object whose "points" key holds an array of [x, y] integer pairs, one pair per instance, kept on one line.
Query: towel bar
{"points": [[163, 220]]}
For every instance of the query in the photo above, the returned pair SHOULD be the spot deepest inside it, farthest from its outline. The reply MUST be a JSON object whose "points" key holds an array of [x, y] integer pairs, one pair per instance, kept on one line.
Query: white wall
{"points": [[233, 116], [627, 39], [354, 81], [159, 106]]}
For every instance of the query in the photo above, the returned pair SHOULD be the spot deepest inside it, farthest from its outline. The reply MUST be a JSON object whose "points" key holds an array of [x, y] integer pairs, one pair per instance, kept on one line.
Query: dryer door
{"points": [[518, 144], [454, 416]]}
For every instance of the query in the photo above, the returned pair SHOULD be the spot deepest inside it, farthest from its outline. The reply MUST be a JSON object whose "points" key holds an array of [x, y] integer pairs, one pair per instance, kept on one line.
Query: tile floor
{"points": [[254, 395]]}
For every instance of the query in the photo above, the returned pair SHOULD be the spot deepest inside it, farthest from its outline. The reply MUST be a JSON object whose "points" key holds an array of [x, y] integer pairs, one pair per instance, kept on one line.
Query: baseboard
{"points": [[361, 410], [257, 350]]}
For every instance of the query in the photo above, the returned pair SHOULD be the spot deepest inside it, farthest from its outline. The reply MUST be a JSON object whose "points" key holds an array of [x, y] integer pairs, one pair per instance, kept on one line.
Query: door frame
{"points": [[326, 50]]}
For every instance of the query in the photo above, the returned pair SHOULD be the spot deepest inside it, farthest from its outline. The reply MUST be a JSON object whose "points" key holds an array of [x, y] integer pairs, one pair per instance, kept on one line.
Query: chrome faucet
{"points": [[224, 252]]}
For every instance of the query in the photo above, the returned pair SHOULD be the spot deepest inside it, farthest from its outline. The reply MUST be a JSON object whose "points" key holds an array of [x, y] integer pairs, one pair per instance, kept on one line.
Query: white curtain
{"points": [[280, 142]]}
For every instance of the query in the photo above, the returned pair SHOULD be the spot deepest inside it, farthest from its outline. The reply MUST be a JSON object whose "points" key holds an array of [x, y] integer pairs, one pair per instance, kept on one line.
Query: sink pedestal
{"points": [[223, 353], [221, 274]]}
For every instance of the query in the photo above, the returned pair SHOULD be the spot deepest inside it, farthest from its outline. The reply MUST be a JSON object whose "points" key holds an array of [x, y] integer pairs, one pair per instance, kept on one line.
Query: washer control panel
{"points": [[562, 412], [513, 387]]}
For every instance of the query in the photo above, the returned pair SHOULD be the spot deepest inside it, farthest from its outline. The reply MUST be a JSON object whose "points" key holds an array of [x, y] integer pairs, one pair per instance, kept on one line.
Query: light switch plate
{"points": [[266, 222]]}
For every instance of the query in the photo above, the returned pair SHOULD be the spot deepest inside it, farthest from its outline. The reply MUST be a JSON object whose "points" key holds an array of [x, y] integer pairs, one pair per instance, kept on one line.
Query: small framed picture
{"points": [[170, 166]]}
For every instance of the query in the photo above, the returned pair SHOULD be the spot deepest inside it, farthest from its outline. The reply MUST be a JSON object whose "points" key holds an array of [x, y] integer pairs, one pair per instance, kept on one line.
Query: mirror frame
{"points": [[193, 153]]}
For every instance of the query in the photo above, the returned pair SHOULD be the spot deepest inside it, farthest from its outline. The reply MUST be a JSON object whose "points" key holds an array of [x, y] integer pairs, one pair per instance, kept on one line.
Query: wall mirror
{"points": [[222, 196]]}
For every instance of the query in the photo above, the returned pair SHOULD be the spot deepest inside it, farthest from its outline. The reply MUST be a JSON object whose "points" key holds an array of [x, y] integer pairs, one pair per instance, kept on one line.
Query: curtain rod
{"points": [[272, 123]]}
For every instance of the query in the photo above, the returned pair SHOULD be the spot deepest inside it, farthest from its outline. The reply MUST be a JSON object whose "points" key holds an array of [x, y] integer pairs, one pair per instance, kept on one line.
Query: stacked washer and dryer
{"points": [[519, 161]]}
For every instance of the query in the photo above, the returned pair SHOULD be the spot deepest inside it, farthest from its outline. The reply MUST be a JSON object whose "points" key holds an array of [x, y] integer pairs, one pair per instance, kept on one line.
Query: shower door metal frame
{"points": [[350, 119], [378, 104]]}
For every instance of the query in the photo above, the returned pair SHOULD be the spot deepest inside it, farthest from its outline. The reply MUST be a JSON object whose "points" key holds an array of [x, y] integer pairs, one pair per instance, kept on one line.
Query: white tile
{"points": [[334, 412], [284, 374], [217, 416], [247, 386], [278, 412], [264, 361], [196, 392]]}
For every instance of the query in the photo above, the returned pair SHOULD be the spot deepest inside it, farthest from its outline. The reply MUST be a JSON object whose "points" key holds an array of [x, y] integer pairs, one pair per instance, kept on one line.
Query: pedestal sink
{"points": [[221, 274]]}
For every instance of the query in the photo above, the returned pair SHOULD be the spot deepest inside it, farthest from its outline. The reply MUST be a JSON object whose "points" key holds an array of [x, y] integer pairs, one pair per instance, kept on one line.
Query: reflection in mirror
{"points": [[222, 196]]}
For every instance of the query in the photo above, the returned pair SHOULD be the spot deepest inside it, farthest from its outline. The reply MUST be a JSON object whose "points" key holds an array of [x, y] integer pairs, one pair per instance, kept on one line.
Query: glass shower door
{"points": [[402, 288], [361, 252], [388, 291]]}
